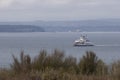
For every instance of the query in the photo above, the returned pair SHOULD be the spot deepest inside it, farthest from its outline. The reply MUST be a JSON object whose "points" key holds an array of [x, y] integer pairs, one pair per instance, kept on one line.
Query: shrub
{"points": [[22, 65], [88, 64], [39, 62], [102, 68]]}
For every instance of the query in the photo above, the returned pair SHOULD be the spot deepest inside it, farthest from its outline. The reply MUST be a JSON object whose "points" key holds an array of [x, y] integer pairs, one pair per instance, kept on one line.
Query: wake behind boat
{"points": [[83, 41]]}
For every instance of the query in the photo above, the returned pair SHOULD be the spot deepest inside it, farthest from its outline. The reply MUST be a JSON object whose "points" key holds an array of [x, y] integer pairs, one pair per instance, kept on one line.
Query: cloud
{"points": [[58, 9], [18, 3], [48, 3], [5, 3]]}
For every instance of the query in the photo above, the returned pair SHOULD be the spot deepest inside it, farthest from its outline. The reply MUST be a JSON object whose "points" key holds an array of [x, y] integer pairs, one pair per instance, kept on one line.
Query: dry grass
{"points": [[57, 66]]}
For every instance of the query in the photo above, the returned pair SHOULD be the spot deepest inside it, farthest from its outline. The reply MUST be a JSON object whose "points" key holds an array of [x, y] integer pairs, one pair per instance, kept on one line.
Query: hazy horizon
{"points": [[73, 20], [58, 10]]}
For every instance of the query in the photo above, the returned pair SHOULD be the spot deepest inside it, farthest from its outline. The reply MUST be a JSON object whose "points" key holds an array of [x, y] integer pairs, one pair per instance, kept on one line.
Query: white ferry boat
{"points": [[83, 41]]}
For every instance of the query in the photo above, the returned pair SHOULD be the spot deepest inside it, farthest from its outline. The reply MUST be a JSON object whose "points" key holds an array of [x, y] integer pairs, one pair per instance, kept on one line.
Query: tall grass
{"points": [[24, 65], [57, 66]]}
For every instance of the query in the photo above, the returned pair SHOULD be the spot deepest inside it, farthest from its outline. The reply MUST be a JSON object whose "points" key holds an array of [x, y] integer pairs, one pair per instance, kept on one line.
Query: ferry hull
{"points": [[77, 45]]}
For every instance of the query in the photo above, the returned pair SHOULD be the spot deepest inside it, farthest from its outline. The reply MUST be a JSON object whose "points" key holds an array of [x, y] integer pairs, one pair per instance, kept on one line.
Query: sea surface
{"points": [[107, 44]]}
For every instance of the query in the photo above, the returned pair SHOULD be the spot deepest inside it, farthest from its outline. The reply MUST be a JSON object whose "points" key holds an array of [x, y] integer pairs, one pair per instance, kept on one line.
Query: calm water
{"points": [[107, 44]]}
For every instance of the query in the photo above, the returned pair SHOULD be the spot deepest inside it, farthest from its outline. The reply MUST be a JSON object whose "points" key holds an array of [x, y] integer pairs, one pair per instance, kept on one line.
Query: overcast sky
{"points": [[29, 10]]}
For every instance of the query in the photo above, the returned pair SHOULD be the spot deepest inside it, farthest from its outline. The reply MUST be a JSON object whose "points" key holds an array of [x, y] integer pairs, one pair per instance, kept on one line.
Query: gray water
{"points": [[107, 44]]}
